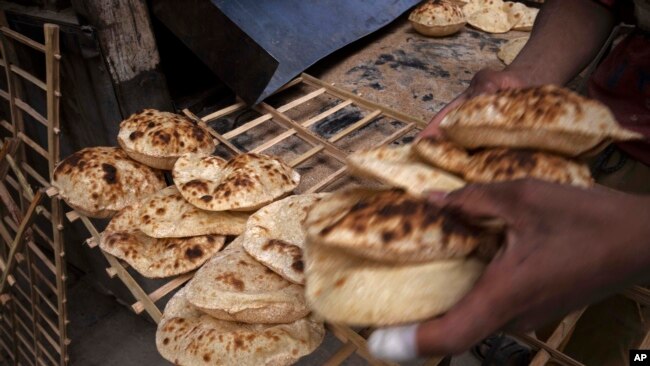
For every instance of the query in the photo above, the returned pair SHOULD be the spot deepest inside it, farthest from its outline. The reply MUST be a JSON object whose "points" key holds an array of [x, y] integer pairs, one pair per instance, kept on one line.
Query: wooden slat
{"points": [[225, 111], [555, 354], [27, 76], [159, 293], [397, 134], [308, 123], [34, 174], [47, 301], [18, 242], [344, 94], [47, 354], [36, 250], [47, 320], [355, 126], [128, 280], [22, 39], [346, 334], [327, 181], [302, 132], [49, 338], [31, 111], [564, 329], [6, 348], [25, 358], [31, 143], [341, 355], [43, 236]]}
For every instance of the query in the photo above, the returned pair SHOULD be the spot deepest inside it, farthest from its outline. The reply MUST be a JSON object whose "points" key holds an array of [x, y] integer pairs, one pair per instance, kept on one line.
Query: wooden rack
{"points": [[289, 130], [33, 318]]}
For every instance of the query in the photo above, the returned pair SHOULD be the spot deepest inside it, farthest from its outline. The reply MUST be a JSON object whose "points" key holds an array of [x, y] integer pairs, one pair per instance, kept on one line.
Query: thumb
{"points": [[485, 201]]}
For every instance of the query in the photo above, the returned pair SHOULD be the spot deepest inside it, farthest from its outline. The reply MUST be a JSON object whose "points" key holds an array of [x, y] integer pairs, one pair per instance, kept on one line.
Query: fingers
{"points": [[494, 200]]}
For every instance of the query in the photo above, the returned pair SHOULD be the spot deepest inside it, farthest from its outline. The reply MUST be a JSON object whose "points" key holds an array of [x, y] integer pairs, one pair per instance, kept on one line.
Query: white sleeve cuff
{"points": [[396, 344]]}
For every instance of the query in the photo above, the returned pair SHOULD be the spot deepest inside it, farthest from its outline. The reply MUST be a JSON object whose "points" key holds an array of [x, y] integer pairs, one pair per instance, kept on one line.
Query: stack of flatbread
{"points": [[438, 18], [377, 258], [178, 228], [387, 257], [249, 296], [498, 16]]}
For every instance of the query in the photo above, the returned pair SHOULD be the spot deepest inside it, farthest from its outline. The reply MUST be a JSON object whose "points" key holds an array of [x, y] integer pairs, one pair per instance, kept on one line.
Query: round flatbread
{"points": [[99, 181], [499, 164], [347, 289], [275, 238], [547, 118], [245, 183], [233, 286], [166, 214], [399, 167], [511, 49], [187, 336], [393, 226], [491, 20], [152, 257], [158, 138], [437, 18], [521, 16]]}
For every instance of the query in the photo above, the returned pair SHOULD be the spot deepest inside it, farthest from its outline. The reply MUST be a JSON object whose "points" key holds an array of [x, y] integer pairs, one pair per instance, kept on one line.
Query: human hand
{"points": [[565, 247], [485, 81]]}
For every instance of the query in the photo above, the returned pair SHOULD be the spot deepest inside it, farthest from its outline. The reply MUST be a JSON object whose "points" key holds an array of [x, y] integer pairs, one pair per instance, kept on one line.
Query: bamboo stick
{"points": [[564, 329], [29, 77], [341, 355], [327, 181], [224, 111], [158, 294], [31, 111], [344, 94], [555, 354], [22, 39], [18, 242]]}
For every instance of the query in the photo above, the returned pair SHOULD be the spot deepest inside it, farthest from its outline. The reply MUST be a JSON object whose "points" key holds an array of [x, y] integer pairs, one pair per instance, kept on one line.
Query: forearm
{"points": [[567, 35]]}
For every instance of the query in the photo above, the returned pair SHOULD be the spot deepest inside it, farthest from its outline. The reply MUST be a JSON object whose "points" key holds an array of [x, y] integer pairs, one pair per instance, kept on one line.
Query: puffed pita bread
{"points": [[344, 288], [245, 183], [499, 164], [186, 336], [474, 6], [166, 214], [99, 181], [547, 118], [437, 18], [275, 238], [511, 49], [235, 287], [152, 257], [393, 226], [491, 20], [400, 167], [158, 138], [521, 16]]}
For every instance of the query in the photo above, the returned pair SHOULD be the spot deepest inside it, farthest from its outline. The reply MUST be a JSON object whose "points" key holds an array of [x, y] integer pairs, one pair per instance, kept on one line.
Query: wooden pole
{"points": [[123, 28]]}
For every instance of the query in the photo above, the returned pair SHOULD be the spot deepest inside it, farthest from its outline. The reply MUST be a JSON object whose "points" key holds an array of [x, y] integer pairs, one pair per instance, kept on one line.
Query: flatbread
{"points": [[188, 337], [399, 167], [491, 20], [245, 183], [275, 238], [393, 226], [521, 16], [547, 118], [343, 288], [99, 181], [437, 18], [511, 49], [152, 257], [235, 287], [474, 6], [167, 215], [499, 164], [158, 138]]}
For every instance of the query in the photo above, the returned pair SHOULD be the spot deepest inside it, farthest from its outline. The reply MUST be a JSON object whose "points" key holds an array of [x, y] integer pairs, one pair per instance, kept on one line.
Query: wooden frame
{"points": [[33, 329], [353, 342]]}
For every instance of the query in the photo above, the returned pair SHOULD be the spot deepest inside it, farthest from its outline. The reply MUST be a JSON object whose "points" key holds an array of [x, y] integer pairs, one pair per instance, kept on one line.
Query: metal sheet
{"points": [[262, 45]]}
